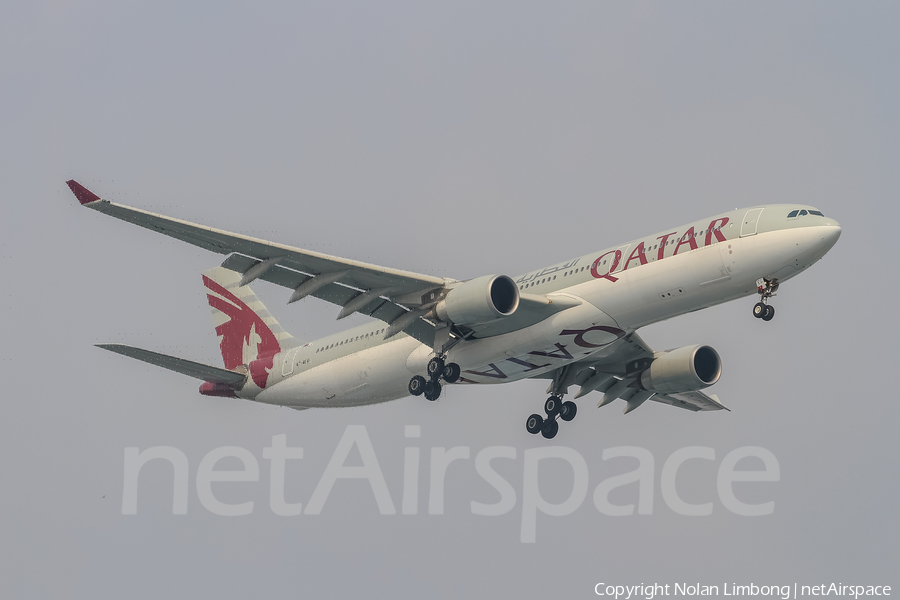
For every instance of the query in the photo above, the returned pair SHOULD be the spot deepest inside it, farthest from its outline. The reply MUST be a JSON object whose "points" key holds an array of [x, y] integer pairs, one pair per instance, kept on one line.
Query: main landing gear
{"points": [[554, 406], [437, 369], [766, 289], [548, 426]]}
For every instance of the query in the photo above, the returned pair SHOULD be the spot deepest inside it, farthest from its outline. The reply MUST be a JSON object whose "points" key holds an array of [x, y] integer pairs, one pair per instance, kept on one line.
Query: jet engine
{"points": [[686, 369], [479, 300]]}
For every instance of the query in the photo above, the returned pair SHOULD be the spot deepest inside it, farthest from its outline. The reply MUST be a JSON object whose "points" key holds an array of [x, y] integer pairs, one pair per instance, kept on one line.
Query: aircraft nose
{"points": [[826, 236], [830, 235]]}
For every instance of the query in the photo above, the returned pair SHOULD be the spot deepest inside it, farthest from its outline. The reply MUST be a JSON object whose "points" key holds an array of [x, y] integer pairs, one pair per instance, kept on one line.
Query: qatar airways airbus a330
{"points": [[573, 323]]}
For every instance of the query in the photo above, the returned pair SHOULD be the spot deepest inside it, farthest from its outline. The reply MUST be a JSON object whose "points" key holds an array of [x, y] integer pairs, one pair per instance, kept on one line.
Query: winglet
{"points": [[84, 195]]}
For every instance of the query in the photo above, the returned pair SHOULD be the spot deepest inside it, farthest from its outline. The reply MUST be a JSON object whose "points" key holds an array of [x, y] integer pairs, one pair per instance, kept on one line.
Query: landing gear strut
{"points": [[766, 289], [436, 369]]}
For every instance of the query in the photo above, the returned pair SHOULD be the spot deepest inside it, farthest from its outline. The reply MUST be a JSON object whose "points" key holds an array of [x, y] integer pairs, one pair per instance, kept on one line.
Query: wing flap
{"points": [[335, 293], [695, 401], [179, 365]]}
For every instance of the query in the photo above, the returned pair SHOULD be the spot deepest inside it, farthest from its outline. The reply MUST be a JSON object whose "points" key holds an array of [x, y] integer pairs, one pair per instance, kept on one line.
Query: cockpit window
{"points": [[803, 212]]}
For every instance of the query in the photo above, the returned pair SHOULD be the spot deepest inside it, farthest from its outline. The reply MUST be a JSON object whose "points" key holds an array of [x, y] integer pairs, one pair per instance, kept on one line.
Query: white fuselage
{"points": [[620, 289]]}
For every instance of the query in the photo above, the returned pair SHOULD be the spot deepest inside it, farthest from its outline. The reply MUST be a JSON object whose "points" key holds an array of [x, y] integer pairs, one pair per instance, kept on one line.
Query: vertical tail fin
{"points": [[248, 333]]}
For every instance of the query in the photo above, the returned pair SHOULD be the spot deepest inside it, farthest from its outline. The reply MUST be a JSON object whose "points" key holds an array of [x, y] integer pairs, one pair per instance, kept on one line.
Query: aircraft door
{"points": [[751, 220], [726, 250], [287, 367], [708, 264], [620, 258]]}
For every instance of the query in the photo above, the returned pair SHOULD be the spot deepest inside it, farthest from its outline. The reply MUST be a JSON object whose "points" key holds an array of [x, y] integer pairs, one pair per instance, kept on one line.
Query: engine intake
{"points": [[686, 369], [479, 300]]}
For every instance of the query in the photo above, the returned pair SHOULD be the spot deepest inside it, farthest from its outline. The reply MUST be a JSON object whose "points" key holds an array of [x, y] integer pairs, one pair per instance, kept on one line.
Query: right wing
{"points": [[616, 373], [691, 400]]}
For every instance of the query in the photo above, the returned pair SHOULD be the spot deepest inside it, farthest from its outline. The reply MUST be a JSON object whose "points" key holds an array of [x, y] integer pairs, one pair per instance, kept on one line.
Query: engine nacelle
{"points": [[683, 370], [479, 300]]}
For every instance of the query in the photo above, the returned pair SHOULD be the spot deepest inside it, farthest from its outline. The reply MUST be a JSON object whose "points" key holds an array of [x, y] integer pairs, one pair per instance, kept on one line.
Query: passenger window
{"points": [[792, 214]]}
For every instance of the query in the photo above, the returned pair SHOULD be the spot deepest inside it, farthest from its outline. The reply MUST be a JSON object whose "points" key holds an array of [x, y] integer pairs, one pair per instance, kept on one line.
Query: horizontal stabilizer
{"points": [[179, 365]]}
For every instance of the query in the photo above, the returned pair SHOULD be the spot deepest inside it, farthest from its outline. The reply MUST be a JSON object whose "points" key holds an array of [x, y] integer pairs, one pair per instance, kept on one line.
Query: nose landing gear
{"points": [[766, 289]]}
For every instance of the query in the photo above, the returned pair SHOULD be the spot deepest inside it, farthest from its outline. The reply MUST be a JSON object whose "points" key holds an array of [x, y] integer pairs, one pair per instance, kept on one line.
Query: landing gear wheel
{"points": [[551, 406], [417, 385], [534, 424], [451, 373], [549, 429], [760, 310], [567, 411], [766, 289], [435, 367], [432, 390]]}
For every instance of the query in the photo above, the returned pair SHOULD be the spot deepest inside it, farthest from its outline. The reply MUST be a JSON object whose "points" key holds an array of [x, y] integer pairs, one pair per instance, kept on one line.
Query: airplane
{"points": [[573, 323]]}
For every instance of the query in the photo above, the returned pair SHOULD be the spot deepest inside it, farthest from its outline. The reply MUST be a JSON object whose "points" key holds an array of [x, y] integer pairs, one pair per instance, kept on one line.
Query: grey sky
{"points": [[455, 139]]}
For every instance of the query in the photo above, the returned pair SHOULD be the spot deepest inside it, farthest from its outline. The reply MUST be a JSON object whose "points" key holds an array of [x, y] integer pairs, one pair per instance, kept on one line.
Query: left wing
{"points": [[400, 298], [384, 293], [617, 373], [266, 255]]}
